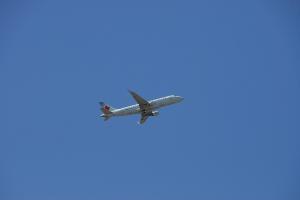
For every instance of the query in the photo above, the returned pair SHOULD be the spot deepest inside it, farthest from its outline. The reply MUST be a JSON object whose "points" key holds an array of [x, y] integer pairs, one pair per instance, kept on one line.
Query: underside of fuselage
{"points": [[135, 109]]}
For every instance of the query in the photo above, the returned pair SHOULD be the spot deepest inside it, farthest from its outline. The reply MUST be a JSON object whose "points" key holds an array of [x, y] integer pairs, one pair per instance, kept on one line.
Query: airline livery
{"points": [[143, 107]]}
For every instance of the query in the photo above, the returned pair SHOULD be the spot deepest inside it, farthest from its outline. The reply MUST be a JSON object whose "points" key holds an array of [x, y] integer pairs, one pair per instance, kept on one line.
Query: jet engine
{"points": [[154, 113]]}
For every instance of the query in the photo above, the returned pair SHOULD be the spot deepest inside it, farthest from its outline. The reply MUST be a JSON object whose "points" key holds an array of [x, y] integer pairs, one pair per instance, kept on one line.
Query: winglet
{"points": [[131, 92]]}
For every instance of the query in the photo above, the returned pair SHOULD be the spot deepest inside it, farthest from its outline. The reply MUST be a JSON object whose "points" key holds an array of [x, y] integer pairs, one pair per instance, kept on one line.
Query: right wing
{"points": [[144, 105]]}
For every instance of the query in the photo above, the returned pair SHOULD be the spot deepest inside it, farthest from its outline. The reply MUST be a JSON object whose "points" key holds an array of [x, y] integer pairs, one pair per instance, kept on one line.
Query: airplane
{"points": [[143, 107]]}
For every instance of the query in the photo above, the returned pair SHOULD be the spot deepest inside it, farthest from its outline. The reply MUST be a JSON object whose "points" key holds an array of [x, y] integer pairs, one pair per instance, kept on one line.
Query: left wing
{"points": [[143, 118]]}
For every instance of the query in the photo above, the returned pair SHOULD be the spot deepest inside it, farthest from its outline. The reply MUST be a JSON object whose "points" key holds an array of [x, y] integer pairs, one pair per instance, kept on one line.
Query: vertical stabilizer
{"points": [[105, 108]]}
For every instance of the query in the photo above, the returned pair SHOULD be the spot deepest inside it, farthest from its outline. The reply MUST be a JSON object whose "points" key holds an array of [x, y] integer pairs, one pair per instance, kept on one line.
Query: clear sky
{"points": [[235, 136]]}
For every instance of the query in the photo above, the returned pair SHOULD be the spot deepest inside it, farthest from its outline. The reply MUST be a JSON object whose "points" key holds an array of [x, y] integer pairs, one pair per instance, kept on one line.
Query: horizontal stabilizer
{"points": [[105, 117]]}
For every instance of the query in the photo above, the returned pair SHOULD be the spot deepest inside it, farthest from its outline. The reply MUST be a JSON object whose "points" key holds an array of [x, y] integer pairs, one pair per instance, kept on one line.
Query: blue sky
{"points": [[235, 136]]}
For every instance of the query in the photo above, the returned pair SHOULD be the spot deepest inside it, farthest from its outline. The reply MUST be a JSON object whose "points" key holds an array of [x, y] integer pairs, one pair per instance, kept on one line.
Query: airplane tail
{"points": [[106, 109]]}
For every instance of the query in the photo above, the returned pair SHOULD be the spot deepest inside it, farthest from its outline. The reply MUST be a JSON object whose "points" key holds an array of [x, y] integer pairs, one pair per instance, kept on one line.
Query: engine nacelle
{"points": [[154, 113]]}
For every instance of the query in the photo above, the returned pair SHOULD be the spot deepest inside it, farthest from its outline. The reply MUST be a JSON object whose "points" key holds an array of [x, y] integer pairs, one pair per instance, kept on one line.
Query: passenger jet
{"points": [[143, 107]]}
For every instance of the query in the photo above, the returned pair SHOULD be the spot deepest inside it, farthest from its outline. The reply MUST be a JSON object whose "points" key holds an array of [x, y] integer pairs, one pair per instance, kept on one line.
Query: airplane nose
{"points": [[180, 98]]}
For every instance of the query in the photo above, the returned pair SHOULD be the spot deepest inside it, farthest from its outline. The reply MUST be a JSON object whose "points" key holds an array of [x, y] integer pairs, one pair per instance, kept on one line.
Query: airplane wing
{"points": [[138, 98], [144, 105], [143, 118]]}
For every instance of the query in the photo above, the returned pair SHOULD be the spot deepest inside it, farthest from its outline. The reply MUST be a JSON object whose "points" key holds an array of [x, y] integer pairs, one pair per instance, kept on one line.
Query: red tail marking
{"points": [[106, 107]]}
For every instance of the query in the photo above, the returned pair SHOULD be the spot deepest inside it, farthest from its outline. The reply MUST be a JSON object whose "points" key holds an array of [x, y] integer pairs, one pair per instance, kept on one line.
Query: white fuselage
{"points": [[155, 104]]}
